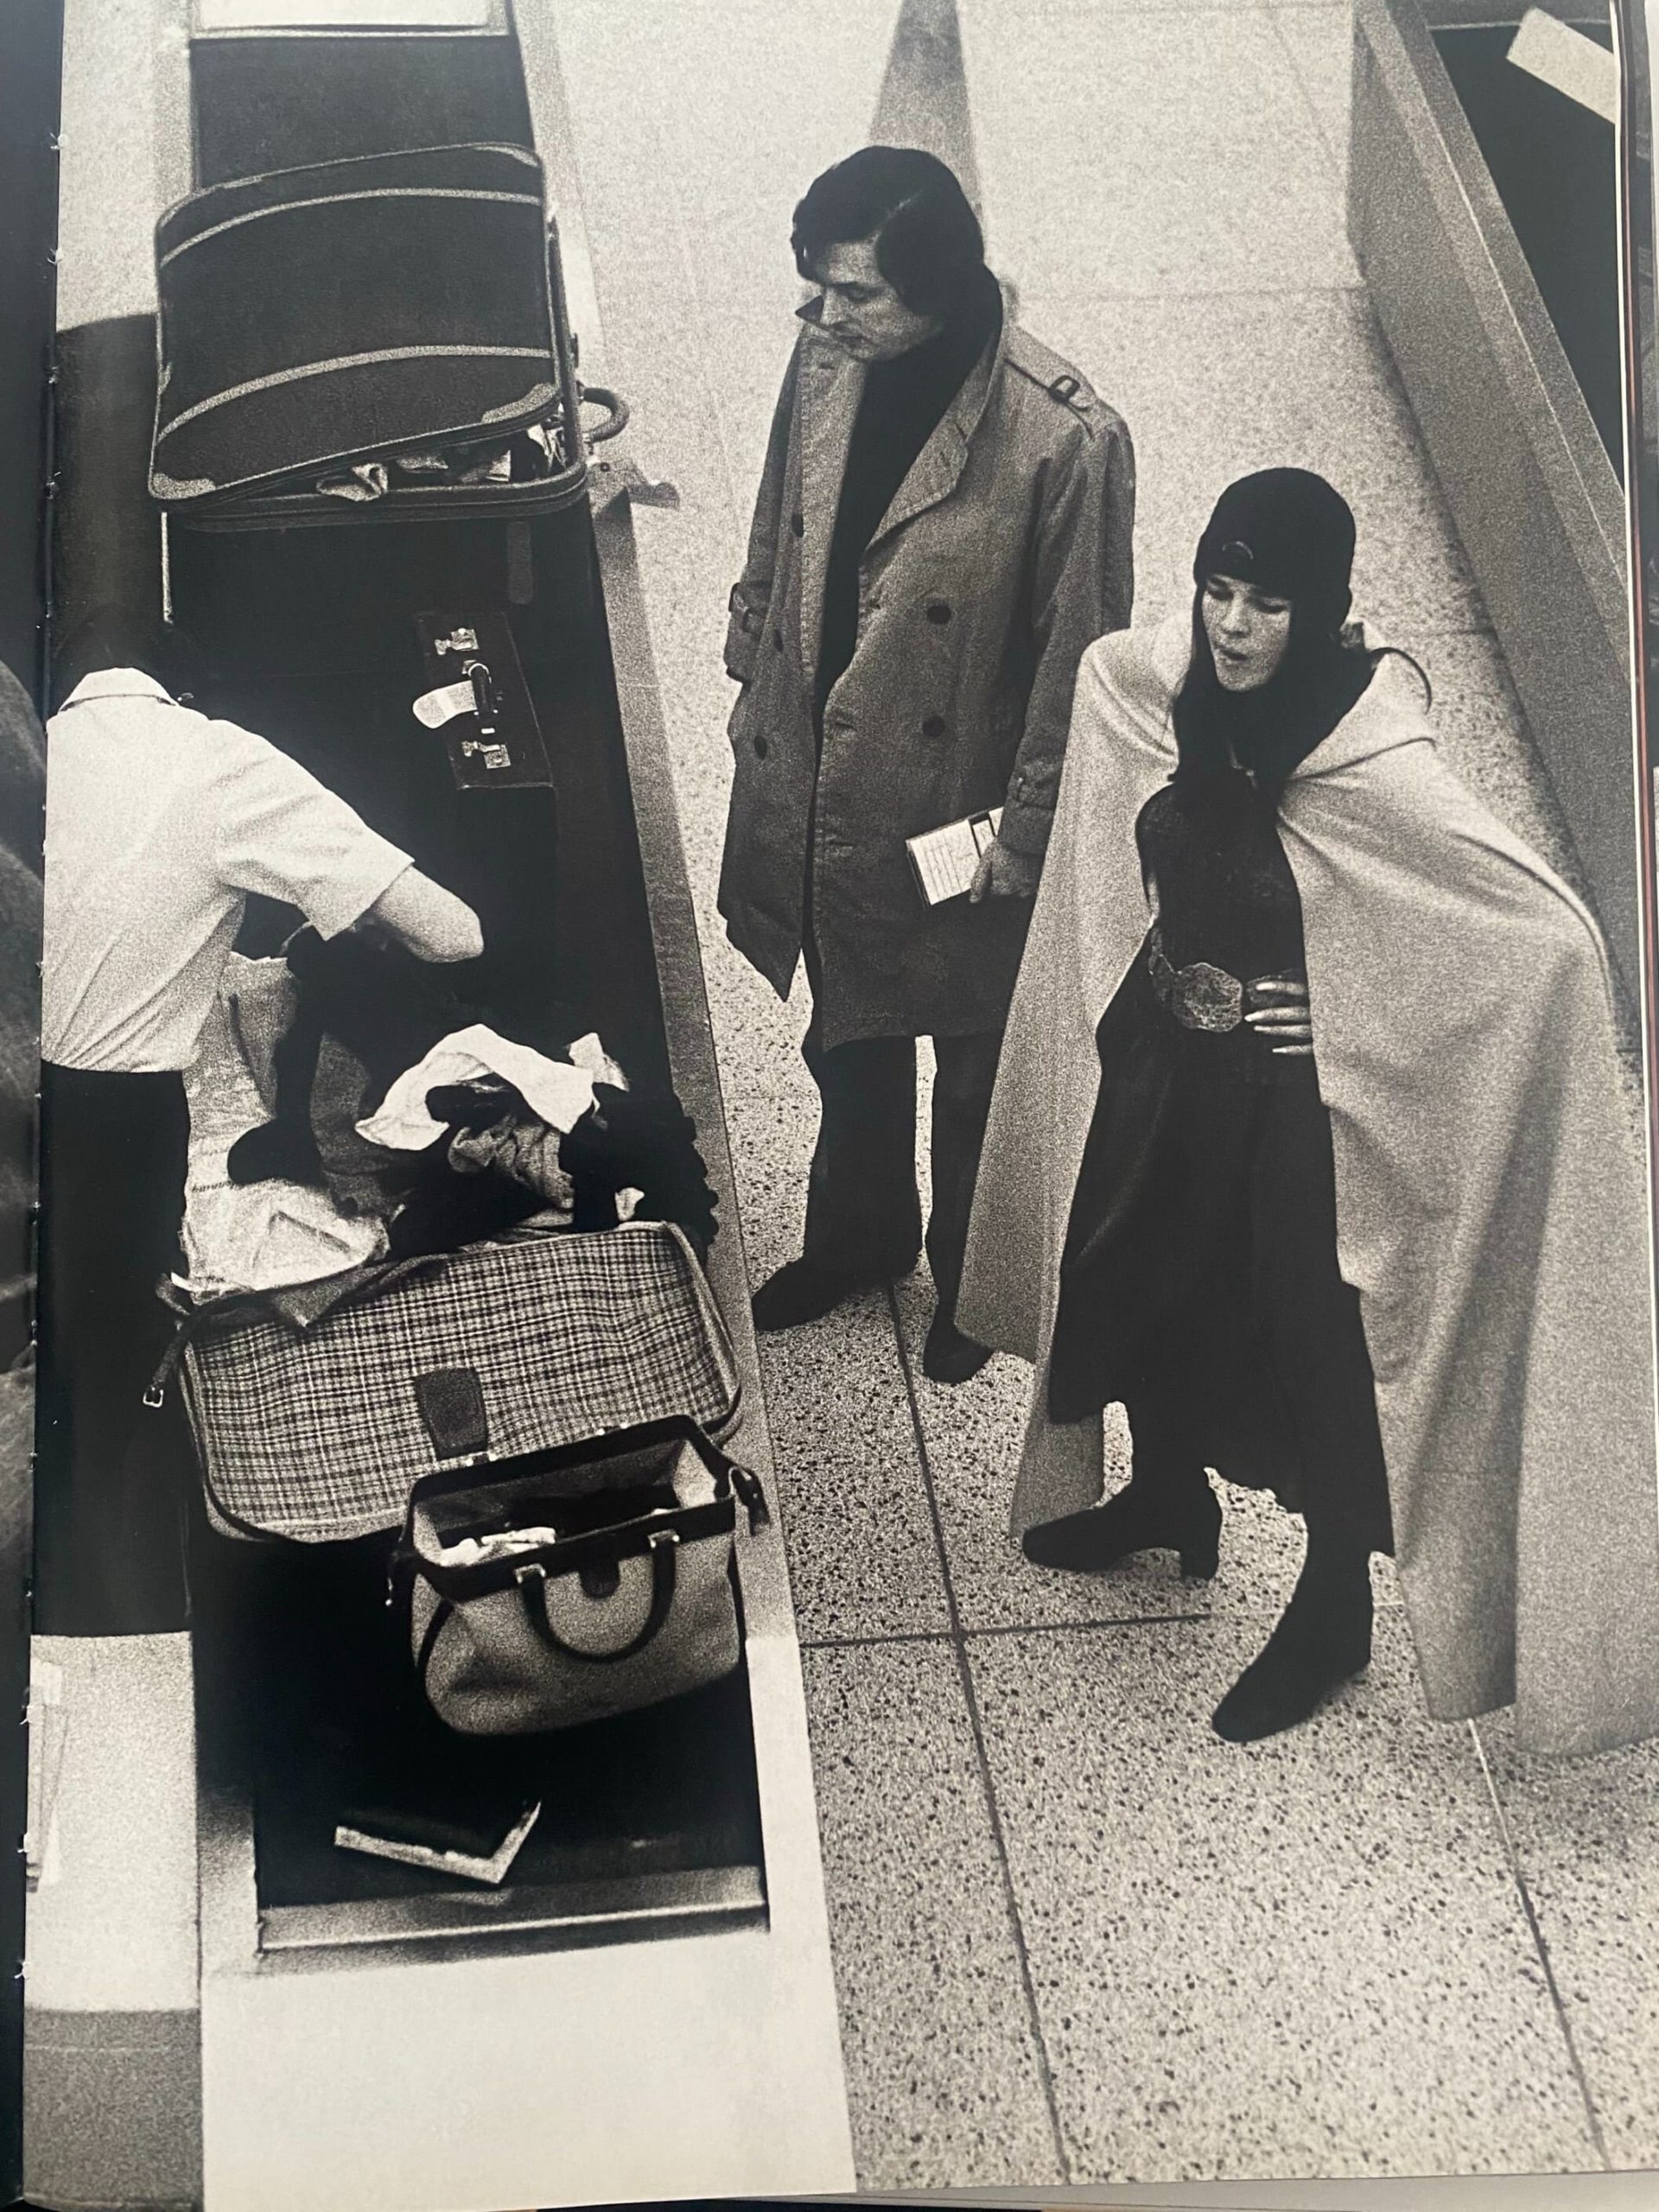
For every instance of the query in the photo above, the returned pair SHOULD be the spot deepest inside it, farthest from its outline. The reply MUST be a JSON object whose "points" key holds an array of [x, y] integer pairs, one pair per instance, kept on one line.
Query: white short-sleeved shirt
{"points": [[159, 823]]}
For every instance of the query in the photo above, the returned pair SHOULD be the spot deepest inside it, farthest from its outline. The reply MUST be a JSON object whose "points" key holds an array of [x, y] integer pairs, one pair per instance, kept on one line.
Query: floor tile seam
{"points": [[1311, 107], [1517, 1874], [872, 1639], [976, 1728], [989, 1631], [1080, 12]]}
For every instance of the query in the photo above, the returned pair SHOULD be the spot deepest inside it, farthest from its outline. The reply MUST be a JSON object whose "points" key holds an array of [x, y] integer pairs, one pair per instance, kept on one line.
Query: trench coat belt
{"points": [[1202, 996]]}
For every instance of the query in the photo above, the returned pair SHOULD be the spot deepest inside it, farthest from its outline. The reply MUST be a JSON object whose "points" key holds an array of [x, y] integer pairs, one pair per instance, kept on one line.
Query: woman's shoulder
{"points": [[1149, 657], [1134, 674], [1444, 830]]}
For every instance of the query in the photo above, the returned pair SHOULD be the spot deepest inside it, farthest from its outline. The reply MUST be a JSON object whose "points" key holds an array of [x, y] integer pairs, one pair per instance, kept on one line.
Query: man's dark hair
{"points": [[928, 242]]}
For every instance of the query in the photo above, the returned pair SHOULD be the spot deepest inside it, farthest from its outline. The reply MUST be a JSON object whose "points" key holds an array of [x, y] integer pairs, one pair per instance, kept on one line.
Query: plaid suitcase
{"points": [[319, 1433]]}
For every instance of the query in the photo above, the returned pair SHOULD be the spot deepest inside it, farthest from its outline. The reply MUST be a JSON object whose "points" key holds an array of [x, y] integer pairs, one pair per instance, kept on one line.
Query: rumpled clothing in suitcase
{"points": [[350, 1106], [276, 1233]]}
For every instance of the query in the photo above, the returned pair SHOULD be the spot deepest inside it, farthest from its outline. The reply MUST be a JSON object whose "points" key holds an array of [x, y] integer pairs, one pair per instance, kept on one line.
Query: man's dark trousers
{"points": [[863, 1215], [863, 1211]]}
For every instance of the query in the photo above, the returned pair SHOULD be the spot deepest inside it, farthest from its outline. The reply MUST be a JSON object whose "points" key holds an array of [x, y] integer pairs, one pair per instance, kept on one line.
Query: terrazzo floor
{"points": [[1077, 1939]]}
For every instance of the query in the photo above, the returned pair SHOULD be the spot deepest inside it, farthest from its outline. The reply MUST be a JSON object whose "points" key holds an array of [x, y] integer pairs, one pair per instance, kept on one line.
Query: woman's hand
{"points": [[1285, 1021], [1002, 874]]}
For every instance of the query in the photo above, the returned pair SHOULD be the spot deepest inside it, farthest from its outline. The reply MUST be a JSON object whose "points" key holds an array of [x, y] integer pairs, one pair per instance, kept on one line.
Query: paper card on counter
{"points": [[436, 708]]}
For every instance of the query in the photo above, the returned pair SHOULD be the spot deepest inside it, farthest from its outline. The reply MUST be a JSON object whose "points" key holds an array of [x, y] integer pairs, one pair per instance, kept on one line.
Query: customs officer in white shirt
{"points": [[160, 822]]}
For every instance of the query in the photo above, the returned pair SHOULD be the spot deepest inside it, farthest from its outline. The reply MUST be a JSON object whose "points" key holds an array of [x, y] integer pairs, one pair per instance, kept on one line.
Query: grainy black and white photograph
{"points": [[844, 1361]]}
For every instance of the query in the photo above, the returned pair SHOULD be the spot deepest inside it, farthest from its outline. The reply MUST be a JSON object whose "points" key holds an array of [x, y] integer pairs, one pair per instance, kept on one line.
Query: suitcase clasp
{"points": [[458, 641]]}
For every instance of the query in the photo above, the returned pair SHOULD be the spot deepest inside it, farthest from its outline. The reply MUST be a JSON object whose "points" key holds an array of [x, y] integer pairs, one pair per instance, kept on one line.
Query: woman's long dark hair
{"points": [[1272, 729]]}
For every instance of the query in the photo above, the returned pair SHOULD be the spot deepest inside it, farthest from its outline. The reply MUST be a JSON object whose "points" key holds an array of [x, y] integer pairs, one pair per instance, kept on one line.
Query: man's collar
{"points": [[117, 683]]}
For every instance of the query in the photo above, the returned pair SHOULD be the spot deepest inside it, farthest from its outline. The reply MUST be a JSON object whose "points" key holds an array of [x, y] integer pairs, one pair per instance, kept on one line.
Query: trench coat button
{"points": [[778, 640], [939, 611], [797, 524], [935, 726], [760, 748]]}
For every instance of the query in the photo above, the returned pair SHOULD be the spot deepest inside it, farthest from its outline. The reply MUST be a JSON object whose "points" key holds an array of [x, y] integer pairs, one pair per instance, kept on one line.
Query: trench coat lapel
{"points": [[937, 470], [832, 384]]}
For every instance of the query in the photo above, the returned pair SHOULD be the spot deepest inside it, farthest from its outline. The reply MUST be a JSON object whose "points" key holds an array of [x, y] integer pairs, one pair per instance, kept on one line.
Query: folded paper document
{"points": [[442, 1849], [945, 860]]}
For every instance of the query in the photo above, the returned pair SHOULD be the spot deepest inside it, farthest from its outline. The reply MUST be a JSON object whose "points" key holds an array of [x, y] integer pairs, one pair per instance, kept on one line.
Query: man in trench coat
{"points": [[945, 524]]}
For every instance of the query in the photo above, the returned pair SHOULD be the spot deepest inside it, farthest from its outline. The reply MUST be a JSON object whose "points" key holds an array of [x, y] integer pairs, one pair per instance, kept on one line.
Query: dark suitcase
{"points": [[318, 317], [382, 315]]}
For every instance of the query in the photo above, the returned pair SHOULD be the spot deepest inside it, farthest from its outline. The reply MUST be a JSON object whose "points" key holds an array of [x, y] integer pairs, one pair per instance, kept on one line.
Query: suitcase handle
{"points": [[617, 413], [532, 1588]]}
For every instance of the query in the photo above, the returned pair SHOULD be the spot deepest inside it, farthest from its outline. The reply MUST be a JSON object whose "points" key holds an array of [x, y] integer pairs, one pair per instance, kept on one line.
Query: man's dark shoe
{"points": [[948, 1355], [799, 1292]]}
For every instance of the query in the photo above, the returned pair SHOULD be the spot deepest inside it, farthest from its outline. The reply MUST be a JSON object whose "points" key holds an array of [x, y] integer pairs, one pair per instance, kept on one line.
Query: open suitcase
{"points": [[317, 1434], [538, 1415], [345, 348], [369, 464]]}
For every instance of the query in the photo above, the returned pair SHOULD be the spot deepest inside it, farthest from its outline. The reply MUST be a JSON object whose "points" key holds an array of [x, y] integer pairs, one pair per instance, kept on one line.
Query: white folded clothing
{"points": [[587, 1052], [270, 1236], [554, 1091]]}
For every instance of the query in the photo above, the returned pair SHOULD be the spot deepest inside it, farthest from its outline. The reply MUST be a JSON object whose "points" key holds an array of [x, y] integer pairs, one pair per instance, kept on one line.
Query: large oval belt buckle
{"points": [[1207, 998]]}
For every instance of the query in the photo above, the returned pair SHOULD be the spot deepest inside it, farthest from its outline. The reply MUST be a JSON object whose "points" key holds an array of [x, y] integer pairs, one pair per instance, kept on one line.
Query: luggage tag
{"points": [[479, 701]]}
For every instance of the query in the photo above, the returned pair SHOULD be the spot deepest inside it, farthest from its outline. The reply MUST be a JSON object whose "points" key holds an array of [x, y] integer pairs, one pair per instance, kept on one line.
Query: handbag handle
{"points": [[662, 1580]]}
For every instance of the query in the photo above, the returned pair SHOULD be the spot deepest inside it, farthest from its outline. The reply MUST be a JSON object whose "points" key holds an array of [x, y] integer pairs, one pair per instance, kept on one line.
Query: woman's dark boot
{"points": [[1149, 1514], [1322, 1640]]}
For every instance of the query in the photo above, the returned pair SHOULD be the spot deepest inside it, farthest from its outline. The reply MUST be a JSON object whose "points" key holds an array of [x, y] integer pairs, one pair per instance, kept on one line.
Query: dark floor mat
{"points": [[313, 1707], [264, 104]]}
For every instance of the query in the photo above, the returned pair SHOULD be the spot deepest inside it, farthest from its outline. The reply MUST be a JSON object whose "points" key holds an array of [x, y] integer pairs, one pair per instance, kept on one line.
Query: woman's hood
{"points": [[1389, 713]]}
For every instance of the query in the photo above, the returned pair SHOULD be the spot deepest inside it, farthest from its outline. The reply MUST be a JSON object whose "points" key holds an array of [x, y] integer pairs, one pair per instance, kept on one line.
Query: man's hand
{"points": [[1002, 874]]}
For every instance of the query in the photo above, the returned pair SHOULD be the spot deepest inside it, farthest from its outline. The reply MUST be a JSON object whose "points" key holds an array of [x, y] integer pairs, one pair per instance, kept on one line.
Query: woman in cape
{"points": [[1309, 1147]]}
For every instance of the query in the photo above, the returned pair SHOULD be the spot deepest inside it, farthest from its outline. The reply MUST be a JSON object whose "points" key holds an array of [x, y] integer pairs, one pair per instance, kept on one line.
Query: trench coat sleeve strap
{"points": [[752, 593], [1083, 587]]}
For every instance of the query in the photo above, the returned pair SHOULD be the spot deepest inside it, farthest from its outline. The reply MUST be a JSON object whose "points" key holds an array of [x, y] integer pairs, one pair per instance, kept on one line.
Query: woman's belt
{"points": [[1201, 996]]}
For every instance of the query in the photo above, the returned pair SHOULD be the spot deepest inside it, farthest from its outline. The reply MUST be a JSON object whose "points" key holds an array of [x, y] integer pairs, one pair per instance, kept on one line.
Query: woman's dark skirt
{"points": [[1199, 1285]]}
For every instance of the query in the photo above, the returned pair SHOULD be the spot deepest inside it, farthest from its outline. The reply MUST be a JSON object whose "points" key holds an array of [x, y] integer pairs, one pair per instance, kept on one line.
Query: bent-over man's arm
{"points": [[281, 833], [428, 920]]}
